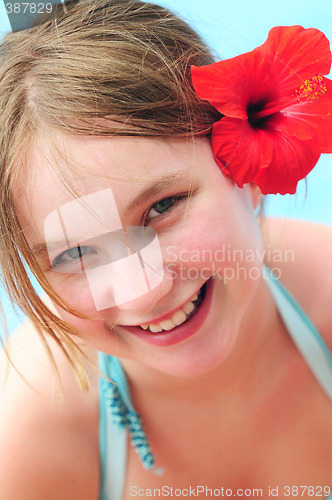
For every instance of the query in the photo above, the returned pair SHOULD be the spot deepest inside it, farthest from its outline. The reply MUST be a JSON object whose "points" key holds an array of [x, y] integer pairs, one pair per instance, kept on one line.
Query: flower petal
{"points": [[296, 54], [269, 157], [239, 149], [231, 84], [312, 119], [292, 161]]}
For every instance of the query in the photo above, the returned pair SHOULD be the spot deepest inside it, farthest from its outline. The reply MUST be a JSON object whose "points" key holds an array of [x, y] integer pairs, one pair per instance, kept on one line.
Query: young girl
{"points": [[130, 180]]}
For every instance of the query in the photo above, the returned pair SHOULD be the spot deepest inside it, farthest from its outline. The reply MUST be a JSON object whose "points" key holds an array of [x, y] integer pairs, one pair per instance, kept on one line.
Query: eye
{"points": [[71, 256], [162, 207]]}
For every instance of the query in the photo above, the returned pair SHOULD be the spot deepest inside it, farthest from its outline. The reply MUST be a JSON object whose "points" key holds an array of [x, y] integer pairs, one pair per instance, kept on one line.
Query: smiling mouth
{"points": [[181, 316]]}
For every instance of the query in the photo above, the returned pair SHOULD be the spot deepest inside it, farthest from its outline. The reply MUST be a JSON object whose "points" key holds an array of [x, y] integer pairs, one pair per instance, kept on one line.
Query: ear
{"points": [[255, 194]]}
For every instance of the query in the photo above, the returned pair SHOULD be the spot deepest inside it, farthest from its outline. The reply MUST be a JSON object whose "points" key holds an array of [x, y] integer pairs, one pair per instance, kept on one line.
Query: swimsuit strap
{"points": [[118, 421], [114, 371], [113, 442], [304, 334]]}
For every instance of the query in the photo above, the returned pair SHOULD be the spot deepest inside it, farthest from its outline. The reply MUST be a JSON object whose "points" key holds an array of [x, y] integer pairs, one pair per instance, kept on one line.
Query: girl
{"points": [[128, 191]]}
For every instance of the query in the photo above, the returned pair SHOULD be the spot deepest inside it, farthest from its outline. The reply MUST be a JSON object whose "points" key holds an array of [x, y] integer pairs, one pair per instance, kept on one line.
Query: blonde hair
{"points": [[122, 60]]}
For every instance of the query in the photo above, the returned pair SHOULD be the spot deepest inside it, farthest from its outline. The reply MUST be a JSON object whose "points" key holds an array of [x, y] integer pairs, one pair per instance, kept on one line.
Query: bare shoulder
{"points": [[302, 251], [48, 439]]}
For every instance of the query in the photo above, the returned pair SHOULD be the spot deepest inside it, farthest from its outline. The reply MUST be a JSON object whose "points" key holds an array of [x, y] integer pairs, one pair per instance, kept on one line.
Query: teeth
{"points": [[155, 328], [188, 307], [178, 317], [168, 324]]}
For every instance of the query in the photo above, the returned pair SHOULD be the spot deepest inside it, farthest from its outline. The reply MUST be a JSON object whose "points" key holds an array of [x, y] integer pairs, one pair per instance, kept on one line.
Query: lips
{"points": [[193, 322]]}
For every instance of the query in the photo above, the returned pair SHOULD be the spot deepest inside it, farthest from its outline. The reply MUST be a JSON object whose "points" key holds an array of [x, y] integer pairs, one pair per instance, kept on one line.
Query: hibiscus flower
{"points": [[276, 106]]}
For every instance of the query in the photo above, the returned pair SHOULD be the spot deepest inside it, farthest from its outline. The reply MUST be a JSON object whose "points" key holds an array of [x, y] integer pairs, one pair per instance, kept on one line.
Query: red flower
{"points": [[277, 108]]}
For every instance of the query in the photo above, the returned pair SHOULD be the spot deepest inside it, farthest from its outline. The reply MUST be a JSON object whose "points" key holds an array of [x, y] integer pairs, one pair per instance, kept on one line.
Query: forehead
{"points": [[67, 167], [82, 159]]}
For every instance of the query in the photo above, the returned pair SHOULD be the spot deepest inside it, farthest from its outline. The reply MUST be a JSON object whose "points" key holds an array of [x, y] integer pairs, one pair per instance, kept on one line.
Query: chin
{"points": [[204, 351]]}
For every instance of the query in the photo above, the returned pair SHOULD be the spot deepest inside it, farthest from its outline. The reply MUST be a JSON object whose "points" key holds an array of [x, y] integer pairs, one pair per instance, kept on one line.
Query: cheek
{"points": [[77, 292], [74, 290], [218, 237], [78, 295]]}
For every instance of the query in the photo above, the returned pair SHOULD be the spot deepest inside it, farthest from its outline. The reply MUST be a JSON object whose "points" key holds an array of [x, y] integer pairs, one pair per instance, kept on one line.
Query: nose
{"points": [[147, 302]]}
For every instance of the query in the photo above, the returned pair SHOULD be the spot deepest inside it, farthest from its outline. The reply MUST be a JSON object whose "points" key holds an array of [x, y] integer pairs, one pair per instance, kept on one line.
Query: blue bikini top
{"points": [[113, 437]]}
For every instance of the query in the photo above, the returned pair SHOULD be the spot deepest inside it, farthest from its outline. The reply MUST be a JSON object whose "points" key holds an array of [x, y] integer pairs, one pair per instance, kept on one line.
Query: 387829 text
{"points": [[200, 491], [28, 8], [300, 491]]}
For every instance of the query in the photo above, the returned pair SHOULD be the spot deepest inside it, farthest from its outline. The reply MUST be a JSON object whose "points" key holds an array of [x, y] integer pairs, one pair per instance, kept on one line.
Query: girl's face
{"points": [[206, 234]]}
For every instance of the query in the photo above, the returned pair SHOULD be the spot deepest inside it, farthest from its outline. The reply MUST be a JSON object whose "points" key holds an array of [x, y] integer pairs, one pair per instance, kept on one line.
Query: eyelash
{"points": [[176, 199], [65, 258]]}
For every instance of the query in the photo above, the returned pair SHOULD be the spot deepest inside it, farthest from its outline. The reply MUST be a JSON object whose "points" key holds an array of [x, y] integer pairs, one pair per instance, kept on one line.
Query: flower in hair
{"points": [[276, 106]]}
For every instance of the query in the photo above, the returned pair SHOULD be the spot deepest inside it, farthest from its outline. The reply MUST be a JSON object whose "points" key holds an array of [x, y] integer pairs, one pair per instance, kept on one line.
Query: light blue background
{"points": [[234, 27]]}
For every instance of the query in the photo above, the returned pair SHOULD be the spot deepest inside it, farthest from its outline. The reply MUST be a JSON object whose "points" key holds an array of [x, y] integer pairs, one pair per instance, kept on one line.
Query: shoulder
{"points": [[48, 438], [302, 252]]}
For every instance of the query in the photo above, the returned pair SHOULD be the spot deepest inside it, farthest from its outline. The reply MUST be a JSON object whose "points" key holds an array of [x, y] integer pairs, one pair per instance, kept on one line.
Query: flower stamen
{"points": [[312, 89]]}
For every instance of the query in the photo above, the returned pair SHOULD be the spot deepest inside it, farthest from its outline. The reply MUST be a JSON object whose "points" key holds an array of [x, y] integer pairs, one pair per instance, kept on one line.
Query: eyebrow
{"points": [[155, 188], [41, 248]]}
